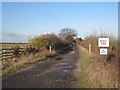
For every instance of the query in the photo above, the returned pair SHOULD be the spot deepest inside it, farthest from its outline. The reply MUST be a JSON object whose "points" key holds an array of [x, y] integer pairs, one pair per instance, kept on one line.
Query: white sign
{"points": [[103, 51], [103, 42]]}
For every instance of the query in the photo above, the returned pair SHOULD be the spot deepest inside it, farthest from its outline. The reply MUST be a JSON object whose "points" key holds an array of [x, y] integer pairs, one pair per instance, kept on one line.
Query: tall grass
{"points": [[94, 74], [93, 40], [101, 71]]}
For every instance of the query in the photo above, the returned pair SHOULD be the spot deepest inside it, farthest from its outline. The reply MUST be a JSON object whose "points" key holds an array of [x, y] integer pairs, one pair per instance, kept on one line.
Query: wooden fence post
{"points": [[89, 48], [50, 49]]}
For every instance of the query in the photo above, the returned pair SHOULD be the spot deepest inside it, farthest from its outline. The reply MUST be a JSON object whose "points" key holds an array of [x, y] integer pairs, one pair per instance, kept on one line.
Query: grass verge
{"points": [[94, 73], [83, 75]]}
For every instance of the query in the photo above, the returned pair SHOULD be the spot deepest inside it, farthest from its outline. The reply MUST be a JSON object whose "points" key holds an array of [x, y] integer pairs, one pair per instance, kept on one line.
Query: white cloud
{"points": [[13, 37]]}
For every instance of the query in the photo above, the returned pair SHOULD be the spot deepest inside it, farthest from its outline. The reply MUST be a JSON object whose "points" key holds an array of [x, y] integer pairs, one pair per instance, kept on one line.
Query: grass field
{"points": [[10, 45]]}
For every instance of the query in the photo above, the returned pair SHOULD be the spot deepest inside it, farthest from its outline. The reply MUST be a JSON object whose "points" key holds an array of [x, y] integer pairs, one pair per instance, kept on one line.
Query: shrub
{"points": [[38, 43], [16, 51], [43, 42], [29, 50], [93, 40]]}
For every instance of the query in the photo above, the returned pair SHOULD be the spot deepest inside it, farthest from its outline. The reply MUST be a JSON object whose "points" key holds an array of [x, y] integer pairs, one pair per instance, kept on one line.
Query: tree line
{"points": [[59, 42]]}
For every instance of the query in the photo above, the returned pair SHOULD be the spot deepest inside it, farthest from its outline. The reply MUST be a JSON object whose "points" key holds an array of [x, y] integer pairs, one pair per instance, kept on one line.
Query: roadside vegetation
{"points": [[98, 71], [43, 47]]}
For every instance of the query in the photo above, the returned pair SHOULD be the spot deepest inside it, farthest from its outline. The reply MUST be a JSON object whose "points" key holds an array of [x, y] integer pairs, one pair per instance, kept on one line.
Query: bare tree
{"points": [[68, 34]]}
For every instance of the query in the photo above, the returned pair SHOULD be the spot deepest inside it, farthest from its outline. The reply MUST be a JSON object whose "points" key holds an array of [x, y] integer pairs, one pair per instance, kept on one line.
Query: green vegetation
{"points": [[36, 50], [82, 83], [96, 71], [43, 42]]}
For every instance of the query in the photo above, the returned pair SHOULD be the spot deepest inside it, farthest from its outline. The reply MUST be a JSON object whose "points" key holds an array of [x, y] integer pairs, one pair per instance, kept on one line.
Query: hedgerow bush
{"points": [[93, 40], [55, 41], [16, 51], [43, 42]]}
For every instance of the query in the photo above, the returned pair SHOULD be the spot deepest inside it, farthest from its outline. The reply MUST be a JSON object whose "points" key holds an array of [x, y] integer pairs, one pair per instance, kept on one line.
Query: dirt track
{"points": [[47, 74]]}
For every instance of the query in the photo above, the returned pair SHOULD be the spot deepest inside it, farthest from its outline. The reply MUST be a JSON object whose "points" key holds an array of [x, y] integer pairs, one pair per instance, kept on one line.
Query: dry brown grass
{"points": [[106, 67], [103, 75], [93, 40], [13, 65], [96, 73]]}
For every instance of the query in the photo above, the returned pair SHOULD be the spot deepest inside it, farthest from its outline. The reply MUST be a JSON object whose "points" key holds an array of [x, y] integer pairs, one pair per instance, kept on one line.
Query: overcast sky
{"points": [[21, 20]]}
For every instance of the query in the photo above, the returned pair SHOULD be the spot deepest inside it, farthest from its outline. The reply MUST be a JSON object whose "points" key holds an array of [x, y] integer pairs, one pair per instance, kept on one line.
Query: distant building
{"points": [[48, 33]]}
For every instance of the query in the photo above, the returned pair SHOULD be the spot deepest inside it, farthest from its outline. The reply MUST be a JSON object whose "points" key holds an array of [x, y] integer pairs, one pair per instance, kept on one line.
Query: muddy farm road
{"points": [[50, 73]]}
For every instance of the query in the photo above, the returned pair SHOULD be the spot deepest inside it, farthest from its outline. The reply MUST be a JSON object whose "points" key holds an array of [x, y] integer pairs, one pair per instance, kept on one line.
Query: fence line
{"points": [[7, 53]]}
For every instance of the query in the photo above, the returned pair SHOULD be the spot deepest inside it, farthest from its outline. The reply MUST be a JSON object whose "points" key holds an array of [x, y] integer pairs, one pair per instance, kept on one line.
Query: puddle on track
{"points": [[65, 71], [63, 74], [66, 66]]}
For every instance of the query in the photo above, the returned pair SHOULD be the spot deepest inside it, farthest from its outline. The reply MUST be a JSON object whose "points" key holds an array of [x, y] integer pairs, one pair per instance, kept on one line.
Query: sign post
{"points": [[103, 42], [89, 48], [103, 51]]}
